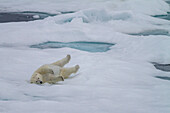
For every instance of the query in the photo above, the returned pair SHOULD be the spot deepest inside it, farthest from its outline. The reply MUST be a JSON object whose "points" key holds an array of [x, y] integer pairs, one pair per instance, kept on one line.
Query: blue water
{"points": [[25, 16], [81, 45], [151, 32], [163, 67], [166, 17], [163, 77]]}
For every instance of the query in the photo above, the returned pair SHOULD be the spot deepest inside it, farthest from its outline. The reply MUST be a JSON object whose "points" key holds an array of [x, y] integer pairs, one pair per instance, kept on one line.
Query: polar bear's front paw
{"points": [[62, 78]]}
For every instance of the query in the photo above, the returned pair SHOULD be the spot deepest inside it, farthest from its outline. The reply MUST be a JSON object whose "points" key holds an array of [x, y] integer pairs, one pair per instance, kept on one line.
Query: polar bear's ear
{"points": [[28, 81], [31, 81]]}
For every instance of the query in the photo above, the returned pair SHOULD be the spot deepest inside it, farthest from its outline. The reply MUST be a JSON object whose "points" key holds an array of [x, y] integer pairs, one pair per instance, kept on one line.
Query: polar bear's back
{"points": [[54, 68]]}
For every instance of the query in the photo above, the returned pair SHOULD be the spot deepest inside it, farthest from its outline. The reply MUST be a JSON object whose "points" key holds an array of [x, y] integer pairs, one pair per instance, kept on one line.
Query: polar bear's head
{"points": [[36, 78]]}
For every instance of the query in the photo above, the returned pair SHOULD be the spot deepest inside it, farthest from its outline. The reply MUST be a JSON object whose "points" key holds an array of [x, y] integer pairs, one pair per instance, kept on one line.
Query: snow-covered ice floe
{"points": [[121, 80]]}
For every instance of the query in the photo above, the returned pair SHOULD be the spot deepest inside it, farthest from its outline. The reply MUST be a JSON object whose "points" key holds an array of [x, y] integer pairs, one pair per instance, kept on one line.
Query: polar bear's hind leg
{"points": [[66, 72], [63, 61]]}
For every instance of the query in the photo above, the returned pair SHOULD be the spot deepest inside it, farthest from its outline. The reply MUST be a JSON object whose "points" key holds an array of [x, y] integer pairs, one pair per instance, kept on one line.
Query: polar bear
{"points": [[52, 73]]}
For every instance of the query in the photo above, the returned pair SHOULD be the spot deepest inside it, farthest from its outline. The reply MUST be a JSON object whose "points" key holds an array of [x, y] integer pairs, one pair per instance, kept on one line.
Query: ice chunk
{"points": [[94, 15], [36, 16]]}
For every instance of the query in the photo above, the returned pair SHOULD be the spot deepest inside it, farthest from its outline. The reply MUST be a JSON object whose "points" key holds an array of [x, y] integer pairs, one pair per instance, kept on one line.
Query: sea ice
{"points": [[121, 80]]}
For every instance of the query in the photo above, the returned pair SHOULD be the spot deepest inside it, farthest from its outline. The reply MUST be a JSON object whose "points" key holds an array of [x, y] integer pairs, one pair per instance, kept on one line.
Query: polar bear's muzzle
{"points": [[39, 82]]}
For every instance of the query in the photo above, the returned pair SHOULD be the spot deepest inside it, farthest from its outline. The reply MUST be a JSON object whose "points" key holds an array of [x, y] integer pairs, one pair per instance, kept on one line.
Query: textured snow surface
{"points": [[121, 80]]}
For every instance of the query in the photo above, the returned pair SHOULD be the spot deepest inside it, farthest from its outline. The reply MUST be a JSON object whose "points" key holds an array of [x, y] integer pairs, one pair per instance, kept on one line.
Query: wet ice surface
{"points": [[82, 45]]}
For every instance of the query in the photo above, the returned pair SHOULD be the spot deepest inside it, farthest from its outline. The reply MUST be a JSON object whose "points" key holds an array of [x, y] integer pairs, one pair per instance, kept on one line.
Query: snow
{"points": [[121, 80], [36, 16]]}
